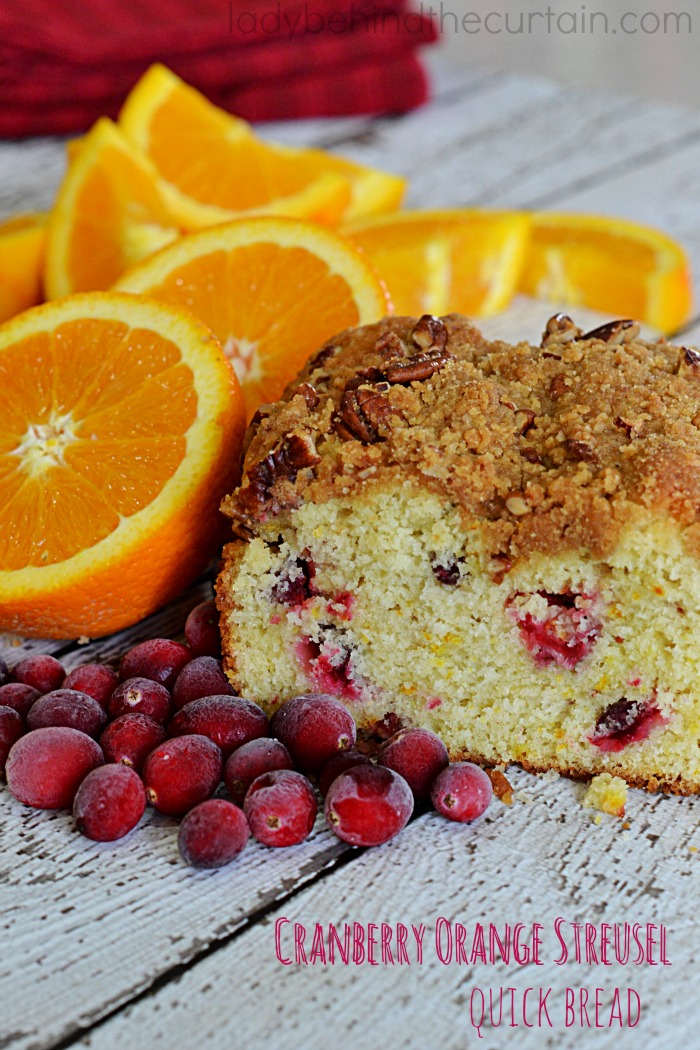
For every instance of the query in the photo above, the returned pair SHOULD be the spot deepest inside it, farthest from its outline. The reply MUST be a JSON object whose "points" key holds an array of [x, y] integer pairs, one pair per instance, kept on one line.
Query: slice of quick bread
{"points": [[501, 543]]}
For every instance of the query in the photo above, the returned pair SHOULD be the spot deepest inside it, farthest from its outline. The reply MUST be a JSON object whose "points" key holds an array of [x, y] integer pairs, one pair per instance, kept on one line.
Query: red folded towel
{"points": [[62, 68]]}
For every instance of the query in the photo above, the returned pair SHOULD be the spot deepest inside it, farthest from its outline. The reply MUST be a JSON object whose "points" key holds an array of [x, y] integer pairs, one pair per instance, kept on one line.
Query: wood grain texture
{"points": [[89, 928]]}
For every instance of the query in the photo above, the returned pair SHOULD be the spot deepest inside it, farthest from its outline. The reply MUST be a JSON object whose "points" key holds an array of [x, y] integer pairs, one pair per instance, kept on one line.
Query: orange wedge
{"points": [[608, 264], [272, 290], [440, 261], [217, 168], [22, 246], [120, 431], [110, 212]]}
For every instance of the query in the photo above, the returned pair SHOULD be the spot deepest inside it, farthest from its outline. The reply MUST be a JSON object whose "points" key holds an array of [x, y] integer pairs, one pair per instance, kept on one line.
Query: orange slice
{"points": [[608, 264], [110, 212], [272, 290], [120, 430], [217, 168], [22, 246], [440, 261]]}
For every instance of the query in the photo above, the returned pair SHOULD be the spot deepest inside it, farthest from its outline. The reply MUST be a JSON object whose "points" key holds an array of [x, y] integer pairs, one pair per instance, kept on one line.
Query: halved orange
{"points": [[22, 246], [109, 213], [467, 261], [272, 289], [609, 264], [216, 167], [120, 431]]}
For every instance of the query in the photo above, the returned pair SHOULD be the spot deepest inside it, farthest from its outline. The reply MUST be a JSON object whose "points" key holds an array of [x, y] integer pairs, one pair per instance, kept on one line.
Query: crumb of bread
{"points": [[607, 794]]}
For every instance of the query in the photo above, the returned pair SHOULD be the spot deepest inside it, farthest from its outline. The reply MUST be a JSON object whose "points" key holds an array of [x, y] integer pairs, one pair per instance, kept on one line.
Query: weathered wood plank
{"points": [[527, 864]]}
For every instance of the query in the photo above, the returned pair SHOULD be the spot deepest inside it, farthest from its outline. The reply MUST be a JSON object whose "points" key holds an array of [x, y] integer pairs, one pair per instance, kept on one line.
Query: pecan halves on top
{"points": [[295, 452], [430, 333], [362, 412], [559, 331], [309, 393], [615, 333], [418, 367]]}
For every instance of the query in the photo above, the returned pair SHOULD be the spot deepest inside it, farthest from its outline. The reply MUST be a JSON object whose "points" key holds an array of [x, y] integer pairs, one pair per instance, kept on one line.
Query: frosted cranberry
{"points": [[129, 739], [203, 676], [281, 808], [626, 722], [4, 673], [250, 761], [42, 672], [109, 803], [67, 707], [46, 767], [313, 728], [202, 630], [159, 659], [337, 765], [368, 805], [564, 634], [227, 720], [462, 792], [11, 729], [140, 696], [19, 697], [97, 680], [418, 755], [181, 773], [212, 834]]}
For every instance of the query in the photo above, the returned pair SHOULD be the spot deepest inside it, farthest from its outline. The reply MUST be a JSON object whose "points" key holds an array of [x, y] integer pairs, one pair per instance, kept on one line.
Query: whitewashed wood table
{"points": [[112, 945]]}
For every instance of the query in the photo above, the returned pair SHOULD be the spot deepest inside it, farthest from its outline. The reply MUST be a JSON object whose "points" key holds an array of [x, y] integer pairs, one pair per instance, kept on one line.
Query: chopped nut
{"points": [[615, 332], [364, 376], [558, 386], [503, 567], [580, 450], [689, 357], [517, 505], [430, 333], [295, 452], [390, 346], [559, 330], [530, 454], [525, 418], [623, 425], [502, 787], [418, 367], [362, 412], [309, 393], [323, 355]]}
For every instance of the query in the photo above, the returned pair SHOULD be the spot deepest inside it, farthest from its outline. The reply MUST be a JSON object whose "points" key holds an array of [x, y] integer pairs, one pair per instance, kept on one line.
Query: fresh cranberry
{"points": [[203, 676], [67, 707], [565, 634], [294, 583], [159, 659], [462, 792], [418, 755], [202, 630], [313, 728], [11, 729], [212, 834], [329, 664], [250, 761], [337, 765], [109, 803], [626, 722], [42, 672], [281, 808], [181, 773], [97, 680], [46, 767], [19, 697], [227, 720], [141, 696], [129, 739], [368, 805]]}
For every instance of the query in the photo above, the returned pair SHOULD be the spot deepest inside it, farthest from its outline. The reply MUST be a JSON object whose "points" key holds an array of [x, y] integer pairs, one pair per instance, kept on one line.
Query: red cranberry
{"points": [[368, 805], [202, 630], [67, 707], [46, 767], [181, 773], [109, 803], [212, 834], [42, 672], [19, 697], [281, 808], [203, 676], [159, 659], [337, 765], [314, 728], [447, 571], [328, 663], [141, 696], [227, 720], [462, 792], [418, 755], [97, 680], [129, 739], [250, 761], [565, 635], [294, 583], [626, 722], [11, 729]]}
